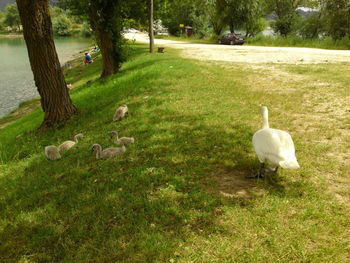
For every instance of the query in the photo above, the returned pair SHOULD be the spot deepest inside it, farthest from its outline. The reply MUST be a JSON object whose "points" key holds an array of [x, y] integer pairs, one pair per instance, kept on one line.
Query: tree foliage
{"points": [[286, 14], [61, 23], [242, 14], [336, 15], [2, 24], [12, 18]]}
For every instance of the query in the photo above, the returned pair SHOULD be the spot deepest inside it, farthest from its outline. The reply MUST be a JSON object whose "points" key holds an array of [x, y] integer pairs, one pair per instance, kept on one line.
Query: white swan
{"points": [[52, 153], [122, 140], [69, 144], [273, 146], [107, 153], [120, 113]]}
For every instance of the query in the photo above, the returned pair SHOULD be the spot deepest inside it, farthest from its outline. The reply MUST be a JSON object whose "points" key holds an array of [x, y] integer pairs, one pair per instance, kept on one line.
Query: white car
{"points": [[131, 30]]}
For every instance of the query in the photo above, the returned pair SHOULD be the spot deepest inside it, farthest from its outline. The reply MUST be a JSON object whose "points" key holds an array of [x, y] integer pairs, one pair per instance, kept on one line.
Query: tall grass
{"points": [[296, 41], [274, 41]]}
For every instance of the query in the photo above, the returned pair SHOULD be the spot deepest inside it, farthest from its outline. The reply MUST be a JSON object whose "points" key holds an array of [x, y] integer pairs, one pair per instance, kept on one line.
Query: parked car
{"points": [[231, 39], [131, 30]]}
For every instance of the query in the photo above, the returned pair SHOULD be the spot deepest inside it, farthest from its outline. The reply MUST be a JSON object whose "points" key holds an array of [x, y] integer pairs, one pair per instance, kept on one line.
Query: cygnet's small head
{"points": [[79, 136], [113, 134], [96, 147]]}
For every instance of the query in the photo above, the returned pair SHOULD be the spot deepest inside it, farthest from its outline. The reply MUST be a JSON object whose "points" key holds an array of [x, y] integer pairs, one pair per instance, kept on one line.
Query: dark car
{"points": [[231, 39]]}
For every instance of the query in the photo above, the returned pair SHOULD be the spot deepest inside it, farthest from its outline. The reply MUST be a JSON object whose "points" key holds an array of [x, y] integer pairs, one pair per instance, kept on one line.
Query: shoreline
{"points": [[34, 103], [11, 35]]}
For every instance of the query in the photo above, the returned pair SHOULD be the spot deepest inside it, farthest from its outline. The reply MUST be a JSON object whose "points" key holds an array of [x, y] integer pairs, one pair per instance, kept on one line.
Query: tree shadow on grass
{"points": [[134, 208]]}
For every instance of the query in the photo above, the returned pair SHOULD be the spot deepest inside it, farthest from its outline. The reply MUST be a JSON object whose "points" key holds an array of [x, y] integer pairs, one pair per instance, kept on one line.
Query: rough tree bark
{"points": [[105, 24], [150, 26], [48, 75]]}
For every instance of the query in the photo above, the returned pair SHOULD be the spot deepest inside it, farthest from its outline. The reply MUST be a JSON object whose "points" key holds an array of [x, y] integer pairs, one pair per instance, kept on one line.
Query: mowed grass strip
{"points": [[179, 193]]}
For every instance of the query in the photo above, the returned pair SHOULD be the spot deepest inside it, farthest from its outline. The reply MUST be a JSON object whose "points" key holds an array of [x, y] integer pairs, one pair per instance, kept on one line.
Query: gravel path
{"points": [[251, 54]]}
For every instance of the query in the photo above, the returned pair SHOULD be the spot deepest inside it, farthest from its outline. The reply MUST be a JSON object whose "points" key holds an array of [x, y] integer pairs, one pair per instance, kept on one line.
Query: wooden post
{"points": [[150, 28]]}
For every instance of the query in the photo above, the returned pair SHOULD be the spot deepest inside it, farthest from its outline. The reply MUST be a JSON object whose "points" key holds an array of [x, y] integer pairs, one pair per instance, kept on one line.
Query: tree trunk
{"points": [[150, 26], [104, 22], [107, 47], [232, 27], [48, 75]]}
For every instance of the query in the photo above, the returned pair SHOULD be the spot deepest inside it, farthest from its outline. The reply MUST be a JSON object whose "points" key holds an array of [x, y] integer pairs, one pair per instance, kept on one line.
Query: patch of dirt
{"points": [[250, 54], [233, 185], [272, 74]]}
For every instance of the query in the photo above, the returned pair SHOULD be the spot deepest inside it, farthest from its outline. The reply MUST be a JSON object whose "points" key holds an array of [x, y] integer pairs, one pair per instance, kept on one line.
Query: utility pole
{"points": [[150, 29]]}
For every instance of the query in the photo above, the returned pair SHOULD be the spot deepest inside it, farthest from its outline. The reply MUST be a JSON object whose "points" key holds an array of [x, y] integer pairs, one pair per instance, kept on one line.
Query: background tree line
{"points": [[213, 17], [209, 18], [63, 21]]}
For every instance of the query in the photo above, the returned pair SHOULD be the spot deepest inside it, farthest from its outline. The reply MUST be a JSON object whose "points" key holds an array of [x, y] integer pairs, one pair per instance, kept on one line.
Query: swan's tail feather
{"points": [[289, 164]]}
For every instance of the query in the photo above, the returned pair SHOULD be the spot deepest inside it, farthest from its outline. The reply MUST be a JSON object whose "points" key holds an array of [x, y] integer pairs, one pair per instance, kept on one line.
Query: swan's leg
{"points": [[261, 170], [260, 174]]}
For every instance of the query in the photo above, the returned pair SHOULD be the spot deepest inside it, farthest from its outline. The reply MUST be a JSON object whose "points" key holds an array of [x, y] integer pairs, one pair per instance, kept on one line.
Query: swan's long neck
{"points": [[265, 118], [76, 138]]}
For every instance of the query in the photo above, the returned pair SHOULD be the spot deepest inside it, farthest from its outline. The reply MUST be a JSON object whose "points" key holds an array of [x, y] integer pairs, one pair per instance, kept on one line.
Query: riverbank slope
{"points": [[179, 194]]}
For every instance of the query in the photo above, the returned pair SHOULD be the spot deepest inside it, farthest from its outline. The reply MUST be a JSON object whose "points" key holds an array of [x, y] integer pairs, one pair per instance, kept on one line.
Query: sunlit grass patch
{"points": [[179, 194]]}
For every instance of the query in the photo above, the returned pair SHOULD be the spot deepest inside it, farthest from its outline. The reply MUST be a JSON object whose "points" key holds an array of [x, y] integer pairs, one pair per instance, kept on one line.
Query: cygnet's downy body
{"points": [[107, 153], [69, 144], [122, 140], [52, 153], [120, 113]]}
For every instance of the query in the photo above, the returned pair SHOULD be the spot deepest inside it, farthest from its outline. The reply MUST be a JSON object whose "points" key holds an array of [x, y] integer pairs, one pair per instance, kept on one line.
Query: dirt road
{"points": [[251, 54]]}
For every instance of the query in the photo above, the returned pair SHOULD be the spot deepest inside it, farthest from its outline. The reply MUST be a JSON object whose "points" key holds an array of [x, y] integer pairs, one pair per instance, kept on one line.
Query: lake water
{"points": [[16, 77]]}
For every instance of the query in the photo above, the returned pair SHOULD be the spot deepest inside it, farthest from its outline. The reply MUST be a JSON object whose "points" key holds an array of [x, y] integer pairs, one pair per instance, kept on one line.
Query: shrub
{"points": [[61, 25], [86, 30], [312, 26]]}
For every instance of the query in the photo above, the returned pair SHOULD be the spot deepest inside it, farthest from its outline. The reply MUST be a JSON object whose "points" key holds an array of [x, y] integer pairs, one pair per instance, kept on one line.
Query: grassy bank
{"points": [[274, 41], [294, 41], [179, 194]]}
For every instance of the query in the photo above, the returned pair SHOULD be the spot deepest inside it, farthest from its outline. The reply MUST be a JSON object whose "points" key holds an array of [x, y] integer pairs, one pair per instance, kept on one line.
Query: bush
{"points": [[297, 41], [255, 26], [61, 25], [312, 26], [2, 17], [86, 30], [11, 17], [201, 26]]}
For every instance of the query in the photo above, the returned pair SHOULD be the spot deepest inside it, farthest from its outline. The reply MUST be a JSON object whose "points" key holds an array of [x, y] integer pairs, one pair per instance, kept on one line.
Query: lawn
{"points": [[179, 194]]}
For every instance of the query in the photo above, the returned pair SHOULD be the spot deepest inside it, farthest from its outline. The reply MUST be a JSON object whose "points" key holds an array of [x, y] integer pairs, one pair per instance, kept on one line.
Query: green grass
{"points": [[179, 193], [295, 41]]}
